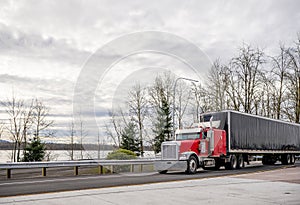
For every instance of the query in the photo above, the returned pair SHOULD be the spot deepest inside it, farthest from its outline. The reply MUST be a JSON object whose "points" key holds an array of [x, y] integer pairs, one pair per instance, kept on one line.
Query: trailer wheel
{"points": [[192, 165], [265, 160], [240, 161], [232, 164], [269, 159], [292, 159], [285, 159]]}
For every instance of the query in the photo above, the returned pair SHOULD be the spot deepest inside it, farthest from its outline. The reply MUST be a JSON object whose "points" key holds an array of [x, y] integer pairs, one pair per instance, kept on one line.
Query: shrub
{"points": [[121, 154], [35, 151]]}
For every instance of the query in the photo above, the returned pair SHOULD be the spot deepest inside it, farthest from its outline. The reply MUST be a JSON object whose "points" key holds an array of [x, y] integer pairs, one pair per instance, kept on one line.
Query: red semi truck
{"points": [[229, 139]]}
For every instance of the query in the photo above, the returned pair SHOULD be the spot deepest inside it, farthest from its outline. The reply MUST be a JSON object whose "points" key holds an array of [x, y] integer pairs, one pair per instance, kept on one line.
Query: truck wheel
{"points": [[269, 160], [240, 161], [192, 165], [264, 160], [292, 159], [232, 164], [285, 159]]}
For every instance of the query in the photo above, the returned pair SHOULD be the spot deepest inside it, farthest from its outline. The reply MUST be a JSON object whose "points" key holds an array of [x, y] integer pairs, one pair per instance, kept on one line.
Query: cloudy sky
{"points": [[45, 45]]}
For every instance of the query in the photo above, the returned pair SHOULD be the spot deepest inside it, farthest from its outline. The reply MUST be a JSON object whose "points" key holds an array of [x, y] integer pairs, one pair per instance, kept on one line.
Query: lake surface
{"points": [[61, 155]]}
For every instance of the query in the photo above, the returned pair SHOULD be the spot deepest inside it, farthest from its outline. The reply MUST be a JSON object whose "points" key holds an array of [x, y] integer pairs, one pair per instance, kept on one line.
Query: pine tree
{"points": [[129, 140], [35, 151], [163, 125]]}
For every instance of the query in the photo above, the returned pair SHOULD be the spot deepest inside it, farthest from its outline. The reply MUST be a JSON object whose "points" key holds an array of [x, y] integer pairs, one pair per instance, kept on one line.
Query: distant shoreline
{"points": [[63, 146]]}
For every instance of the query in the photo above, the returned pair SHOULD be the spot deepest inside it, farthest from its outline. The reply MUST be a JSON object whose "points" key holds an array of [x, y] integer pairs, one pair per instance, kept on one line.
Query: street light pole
{"points": [[174, 92]]}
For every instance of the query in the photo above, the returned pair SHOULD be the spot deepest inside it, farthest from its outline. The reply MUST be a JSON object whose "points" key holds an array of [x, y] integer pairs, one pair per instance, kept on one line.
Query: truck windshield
{"points": [[187, 136]]}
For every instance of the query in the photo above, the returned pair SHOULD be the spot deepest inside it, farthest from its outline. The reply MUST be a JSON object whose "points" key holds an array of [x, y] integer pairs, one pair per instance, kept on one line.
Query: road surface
{"points": [[14, 187], [277, 186]]}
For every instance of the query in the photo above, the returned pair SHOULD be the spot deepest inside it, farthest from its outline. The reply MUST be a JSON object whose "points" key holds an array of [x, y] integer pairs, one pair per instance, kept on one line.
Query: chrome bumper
{"points": [[170, 165]]}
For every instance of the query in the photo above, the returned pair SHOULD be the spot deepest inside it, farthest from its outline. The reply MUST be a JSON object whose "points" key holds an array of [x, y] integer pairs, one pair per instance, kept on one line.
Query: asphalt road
{"points": [[14, 187]]}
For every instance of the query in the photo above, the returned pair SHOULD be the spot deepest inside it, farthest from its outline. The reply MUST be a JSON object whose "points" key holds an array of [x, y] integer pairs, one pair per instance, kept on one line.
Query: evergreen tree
{"points": [[35, 151], [163, 125], [129, 140]]}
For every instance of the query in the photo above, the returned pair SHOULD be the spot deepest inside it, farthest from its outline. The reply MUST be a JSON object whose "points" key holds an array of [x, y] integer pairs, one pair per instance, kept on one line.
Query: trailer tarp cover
{"points": [[257, 133]]}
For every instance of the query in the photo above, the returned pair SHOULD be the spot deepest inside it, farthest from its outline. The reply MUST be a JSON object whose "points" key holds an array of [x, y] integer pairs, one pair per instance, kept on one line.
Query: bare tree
{"points": [[28, 120], [72, 133], [183, 97], [201, 101], [294, 80], [25, 118], [115, 126], [232, 86], [82, 134], [247, 67], [279, 71], [41, 114], [218, 86], [265, 97], [138, 105], [162, 88], [20, 121]]}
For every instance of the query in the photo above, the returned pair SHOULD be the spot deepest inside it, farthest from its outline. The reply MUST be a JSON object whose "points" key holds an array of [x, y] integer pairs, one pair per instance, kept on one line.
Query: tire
{"points": [[265, 160], [192, 165], [285, 159], [292, 159], [240, 161], [232, 164], [269, 160], [163, 172], [288, 158]]}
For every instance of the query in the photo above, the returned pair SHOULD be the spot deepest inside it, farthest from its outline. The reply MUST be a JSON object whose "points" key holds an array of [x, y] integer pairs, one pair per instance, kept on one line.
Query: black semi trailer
{"points": [[254, 135]]}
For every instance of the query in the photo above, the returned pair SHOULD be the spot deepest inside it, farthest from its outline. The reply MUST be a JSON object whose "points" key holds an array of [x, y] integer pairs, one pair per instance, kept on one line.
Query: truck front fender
{"points": [[186, 155]]}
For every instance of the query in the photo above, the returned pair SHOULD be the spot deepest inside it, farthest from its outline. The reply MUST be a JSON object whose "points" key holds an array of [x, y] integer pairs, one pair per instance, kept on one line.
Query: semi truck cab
{"points": [[193, 147]]}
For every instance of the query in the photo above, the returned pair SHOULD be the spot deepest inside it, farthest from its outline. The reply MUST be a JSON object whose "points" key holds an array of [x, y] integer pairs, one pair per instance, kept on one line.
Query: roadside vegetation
{"points": [[121, 154], [27, 119]]}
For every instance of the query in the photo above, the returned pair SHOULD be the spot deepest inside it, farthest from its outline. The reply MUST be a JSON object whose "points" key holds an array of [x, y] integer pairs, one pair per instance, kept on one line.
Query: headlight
{"points": [[183, 157]]}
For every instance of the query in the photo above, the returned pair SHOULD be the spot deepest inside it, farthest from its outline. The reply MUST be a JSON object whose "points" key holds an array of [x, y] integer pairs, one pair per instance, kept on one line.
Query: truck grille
{"points": [[169, 151]]}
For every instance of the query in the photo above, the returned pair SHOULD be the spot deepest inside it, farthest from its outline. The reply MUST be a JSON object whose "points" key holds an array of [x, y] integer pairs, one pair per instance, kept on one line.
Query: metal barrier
{"points": [[76, 164]]}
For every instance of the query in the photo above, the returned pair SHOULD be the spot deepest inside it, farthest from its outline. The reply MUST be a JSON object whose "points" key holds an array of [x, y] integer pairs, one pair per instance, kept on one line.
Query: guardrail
{"points": [[76, 164]]}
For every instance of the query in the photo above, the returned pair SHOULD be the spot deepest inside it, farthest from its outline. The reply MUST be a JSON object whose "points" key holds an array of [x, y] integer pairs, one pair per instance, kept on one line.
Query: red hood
{"points": [[190, 145]]}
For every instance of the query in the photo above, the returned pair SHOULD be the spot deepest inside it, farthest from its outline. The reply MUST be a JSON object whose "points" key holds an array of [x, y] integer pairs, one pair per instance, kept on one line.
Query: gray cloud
{"points": [[45, 86], [31, 45], [57, 95]]}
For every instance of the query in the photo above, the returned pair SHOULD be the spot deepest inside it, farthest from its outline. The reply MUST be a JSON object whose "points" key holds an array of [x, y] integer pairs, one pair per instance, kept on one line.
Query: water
{"points": [[61, 155]]}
